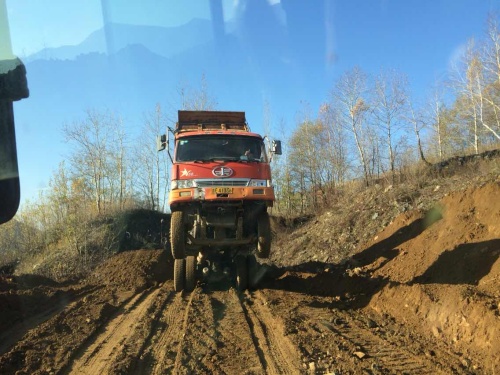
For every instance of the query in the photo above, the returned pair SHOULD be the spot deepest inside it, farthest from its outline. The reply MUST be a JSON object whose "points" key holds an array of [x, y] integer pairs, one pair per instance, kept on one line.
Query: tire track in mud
{"points": [[233, 336], [384, 355], [330, 338], [142, 338], [392, 352], [228, 333], [166, 343], [198, 349], [277, 353], [98, 356]]}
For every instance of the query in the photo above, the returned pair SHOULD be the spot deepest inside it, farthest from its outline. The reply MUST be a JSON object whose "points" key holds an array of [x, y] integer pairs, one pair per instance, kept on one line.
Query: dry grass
{"points": [[76, 249], [358, 213]]}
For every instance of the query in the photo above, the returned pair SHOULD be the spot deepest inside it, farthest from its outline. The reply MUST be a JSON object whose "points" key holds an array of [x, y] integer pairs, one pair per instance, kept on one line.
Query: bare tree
{"points": [[416, 118], [491, 49], [388, 109], [95, 157], [435, 114], [477, 92], [336, 146], [306, 157], [198, 98], [89, 160], [349, 98], [121, 165], [282, 176], [151, 166]]}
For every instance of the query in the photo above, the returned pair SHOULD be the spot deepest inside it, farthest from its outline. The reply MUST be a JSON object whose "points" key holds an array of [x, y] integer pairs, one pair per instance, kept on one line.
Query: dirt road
{"points": [[421, 298], [269, 331]]}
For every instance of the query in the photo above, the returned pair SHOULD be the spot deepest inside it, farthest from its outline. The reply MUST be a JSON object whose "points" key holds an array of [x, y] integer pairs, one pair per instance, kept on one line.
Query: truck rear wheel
{"points": [[179, 274], [241, 273], [190, 273], [264, 235], [177, 235]]}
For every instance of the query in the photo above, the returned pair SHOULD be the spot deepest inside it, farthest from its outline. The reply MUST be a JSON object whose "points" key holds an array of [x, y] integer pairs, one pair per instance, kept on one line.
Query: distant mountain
{"points": [[149, 64], [244, 66], [163, 41], [243, 63]]}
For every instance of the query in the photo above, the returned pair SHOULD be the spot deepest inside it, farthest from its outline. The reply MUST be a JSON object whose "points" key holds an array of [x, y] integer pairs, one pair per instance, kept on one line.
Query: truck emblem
{"points": [[222, 171], [186, 173]]}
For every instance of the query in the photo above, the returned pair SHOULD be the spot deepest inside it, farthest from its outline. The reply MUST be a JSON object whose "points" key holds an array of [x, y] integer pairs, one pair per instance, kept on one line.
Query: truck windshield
{"points": [[211, 148]]}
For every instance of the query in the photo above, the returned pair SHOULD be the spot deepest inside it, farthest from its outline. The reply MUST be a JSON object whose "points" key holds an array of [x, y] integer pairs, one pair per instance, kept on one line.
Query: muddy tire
{"points": [[241, 273], [177, 235], [264, 235], [179, 274], [190, 274]]}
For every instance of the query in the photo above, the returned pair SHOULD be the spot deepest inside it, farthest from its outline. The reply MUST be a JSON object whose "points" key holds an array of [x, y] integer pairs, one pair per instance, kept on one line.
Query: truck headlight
{"points": [[182, 184], [260, 183]]}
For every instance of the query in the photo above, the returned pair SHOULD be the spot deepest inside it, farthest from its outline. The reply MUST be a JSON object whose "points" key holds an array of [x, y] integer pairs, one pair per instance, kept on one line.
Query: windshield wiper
{"points": [[224, 158], [191, 161]]}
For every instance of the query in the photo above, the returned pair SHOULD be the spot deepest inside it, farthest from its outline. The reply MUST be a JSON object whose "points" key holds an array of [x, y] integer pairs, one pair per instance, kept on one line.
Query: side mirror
{"points": [[276, 147], [161, 142], [13, 87]]}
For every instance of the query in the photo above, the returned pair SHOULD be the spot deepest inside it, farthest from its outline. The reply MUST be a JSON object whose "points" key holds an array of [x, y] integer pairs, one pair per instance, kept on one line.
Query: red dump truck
{"points": [[220, 191]]}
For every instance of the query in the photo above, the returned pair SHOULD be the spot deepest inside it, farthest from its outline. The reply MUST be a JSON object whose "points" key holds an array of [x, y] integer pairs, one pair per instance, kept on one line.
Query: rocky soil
{"points": [[400, 280]]}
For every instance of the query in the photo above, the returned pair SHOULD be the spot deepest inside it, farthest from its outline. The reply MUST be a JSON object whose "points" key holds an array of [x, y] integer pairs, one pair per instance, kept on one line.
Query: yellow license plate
{"points": [[223, 190]]}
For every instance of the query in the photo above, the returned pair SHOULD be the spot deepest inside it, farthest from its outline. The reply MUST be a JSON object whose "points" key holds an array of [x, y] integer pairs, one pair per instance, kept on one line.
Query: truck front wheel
{"points": [[179, 274], [264, 235], [177, 235]]}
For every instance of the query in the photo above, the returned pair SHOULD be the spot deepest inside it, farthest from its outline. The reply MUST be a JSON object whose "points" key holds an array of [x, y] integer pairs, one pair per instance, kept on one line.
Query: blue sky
{"points": [[37, 24], [292, 53]]}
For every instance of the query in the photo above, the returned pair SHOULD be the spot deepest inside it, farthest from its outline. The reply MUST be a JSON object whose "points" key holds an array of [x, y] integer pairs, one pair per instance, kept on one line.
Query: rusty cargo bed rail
{"points": [[211, 120]]}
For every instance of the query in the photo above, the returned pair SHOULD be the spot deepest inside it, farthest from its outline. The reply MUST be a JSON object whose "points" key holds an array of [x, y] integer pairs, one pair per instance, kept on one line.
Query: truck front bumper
{"points": [[221, 194]]}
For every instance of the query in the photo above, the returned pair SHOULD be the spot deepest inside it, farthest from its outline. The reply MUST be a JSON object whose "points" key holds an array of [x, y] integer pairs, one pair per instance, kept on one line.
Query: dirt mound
{"points": [[55, 319], [455, 243], [436, 270], [442, 271], [27, 295], [133, 270]]}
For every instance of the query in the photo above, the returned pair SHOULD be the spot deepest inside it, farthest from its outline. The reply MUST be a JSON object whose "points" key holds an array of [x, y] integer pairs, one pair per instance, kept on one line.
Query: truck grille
{"points": [[224, 182]]}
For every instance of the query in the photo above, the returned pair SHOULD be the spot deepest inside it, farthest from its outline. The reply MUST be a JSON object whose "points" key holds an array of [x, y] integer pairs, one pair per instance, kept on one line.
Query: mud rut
{"points": [[268, 331], [208, 331]]}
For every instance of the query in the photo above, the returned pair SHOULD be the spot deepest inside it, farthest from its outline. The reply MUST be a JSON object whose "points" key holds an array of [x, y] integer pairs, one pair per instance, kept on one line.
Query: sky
{"points": [[292, 52], [38, 24]]}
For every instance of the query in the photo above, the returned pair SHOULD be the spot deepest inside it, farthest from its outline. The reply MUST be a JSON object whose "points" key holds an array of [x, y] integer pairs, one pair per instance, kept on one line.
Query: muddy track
{"points": [[208, 331], [225, 332], [298, 322], [98, 354], [267, 331], [330, 339], [142, 336], [213, 331], [276, 352]]}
